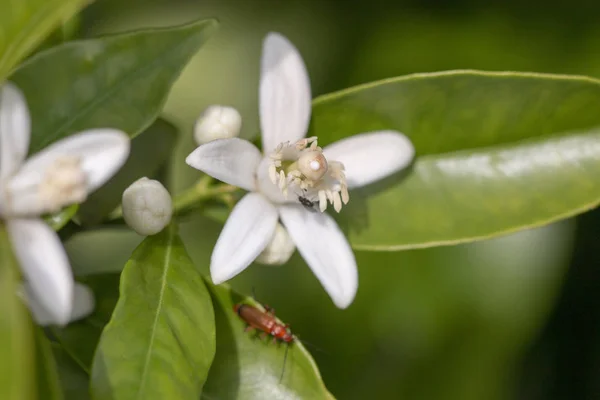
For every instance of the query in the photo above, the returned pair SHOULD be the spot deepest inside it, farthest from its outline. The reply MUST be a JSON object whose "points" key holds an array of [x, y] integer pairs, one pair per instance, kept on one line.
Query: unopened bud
{"points": [[147, 206], [217, 122], [279, 250]]}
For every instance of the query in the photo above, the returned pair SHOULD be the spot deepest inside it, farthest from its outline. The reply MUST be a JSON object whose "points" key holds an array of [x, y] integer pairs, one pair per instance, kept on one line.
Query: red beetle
{"points": [[264, 321]]}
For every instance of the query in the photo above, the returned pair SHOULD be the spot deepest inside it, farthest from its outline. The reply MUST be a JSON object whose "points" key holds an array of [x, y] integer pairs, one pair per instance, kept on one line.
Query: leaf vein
{"points": [[163, 285]]}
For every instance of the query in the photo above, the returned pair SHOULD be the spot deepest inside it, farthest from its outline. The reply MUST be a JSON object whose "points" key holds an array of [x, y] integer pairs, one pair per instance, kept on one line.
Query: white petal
{"points": [[83, 302], [284, 96], [325, 249], [45, 266], [14, 129], [246, 233], [371, 156], [101, 151], [83, 305], [232, 161]]}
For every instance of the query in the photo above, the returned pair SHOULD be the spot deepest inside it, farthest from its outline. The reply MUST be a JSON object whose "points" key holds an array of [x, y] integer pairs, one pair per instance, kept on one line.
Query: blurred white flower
{"points": [[83, 304], [279, 250], [217, 122], [294, 165], [147, 206], [61, 174]]}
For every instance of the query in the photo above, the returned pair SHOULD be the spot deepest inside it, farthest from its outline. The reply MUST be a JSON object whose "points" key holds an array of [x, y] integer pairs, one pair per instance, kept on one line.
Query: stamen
{"points": [[281, 180], [322, 200], [64, 184], [337, 202], [304, 166], [345, 195], [273, 173]]}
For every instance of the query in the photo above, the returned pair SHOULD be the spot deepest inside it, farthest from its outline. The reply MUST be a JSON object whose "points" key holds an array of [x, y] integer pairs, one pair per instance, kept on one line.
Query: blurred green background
{"points": [[512, 318]]}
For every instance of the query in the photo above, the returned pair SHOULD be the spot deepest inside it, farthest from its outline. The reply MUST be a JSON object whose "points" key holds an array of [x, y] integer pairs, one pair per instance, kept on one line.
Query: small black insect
{"points": [[307, 203]]}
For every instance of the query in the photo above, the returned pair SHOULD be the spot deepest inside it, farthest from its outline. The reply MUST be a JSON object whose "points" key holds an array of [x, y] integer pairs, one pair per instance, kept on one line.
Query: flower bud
{"points": [[217, 122], [279, 250], [147, 206]]}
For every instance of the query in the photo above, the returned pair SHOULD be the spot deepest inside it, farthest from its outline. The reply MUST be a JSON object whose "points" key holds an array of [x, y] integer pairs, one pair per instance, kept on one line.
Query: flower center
{"points": [[64, 183], [302, 165]]}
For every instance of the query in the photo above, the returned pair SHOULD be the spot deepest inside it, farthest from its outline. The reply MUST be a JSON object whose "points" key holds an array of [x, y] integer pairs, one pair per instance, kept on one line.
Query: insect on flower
{"points": [[266, 322], [307, 203]]}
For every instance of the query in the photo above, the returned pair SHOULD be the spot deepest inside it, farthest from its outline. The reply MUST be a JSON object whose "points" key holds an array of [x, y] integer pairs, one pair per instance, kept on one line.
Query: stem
{"points": [[201, 191], [192, 194]]}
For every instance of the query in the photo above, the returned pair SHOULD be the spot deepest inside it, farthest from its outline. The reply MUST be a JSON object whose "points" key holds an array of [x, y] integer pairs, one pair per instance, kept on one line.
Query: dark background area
{"points": [[516, 317]]}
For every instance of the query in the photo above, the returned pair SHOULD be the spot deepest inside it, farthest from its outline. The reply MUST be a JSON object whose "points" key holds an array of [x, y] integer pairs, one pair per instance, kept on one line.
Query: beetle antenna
{"points": [[287, 347], [309, 344]]}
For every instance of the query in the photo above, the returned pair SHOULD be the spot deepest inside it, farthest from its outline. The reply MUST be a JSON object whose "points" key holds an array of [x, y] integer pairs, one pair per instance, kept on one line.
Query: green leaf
{"points": [[496, 153], [75, 381], [119, 81], [160, 341], [60, 219], [80, 338], [67, 30], [48, 382], [247, 367], [25, 23], [149, 152], [16, 340]]}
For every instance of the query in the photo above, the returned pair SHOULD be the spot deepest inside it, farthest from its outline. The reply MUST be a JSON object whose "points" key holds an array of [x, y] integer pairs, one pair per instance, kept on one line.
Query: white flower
{"points": [[293, 174], [217, 122], [279, 250], [83, 304], [61, 174], [147, 206]]}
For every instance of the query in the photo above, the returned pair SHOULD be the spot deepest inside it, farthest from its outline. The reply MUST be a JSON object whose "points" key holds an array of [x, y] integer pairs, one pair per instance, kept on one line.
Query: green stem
{"points": [[201, 191]]}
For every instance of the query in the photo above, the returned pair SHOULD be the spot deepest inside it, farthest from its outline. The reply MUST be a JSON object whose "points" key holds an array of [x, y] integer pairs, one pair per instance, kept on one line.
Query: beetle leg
{"points": [[248, 328], [263, 335]]}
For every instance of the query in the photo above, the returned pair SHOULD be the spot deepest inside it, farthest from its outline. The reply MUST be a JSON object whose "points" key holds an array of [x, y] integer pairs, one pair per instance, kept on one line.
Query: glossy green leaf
{"points": [[149, 152], [496, 153], [119, 81], [248, 367], [160, 341], [74, 380], [25, 23], [80, 338], [61, 218], [16, 340], [48, 382]]}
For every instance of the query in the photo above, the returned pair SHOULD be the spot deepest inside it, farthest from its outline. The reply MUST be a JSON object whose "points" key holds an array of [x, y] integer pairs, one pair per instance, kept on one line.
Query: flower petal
{"points": [[14, 129], [83, 305], [101, 152], [371, 156], [325, 249], [232, 161], [45, 266], [284, 96], [246, 233]]}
